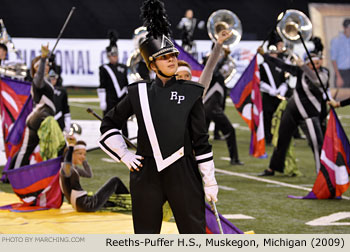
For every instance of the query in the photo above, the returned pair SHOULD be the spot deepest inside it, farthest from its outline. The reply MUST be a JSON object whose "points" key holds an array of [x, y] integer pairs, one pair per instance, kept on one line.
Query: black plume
{"points": [[318, 45], [155, 18], [113, 37]]}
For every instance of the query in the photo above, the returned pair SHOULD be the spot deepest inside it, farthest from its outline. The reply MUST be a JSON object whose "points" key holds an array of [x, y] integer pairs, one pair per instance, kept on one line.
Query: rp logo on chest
{"points": [[176, 97]]}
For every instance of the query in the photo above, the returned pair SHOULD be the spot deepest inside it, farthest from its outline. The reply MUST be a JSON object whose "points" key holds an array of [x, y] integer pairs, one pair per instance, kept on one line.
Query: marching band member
{"points": [[70, 174], [62, 115], [272, 84], [173, 145], [43, 101], [306, 104], [187, 25], [113, 79]]}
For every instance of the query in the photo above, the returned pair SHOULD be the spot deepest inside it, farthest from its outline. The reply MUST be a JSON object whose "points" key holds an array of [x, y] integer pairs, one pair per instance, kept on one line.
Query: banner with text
{"points": [[80, 58]]}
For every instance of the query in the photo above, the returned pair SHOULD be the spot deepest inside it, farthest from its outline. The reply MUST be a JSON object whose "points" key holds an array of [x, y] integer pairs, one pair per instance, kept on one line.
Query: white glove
{"points": [[210, 185], [101, 92], [114, 145], [131, 160], [211, 192]]}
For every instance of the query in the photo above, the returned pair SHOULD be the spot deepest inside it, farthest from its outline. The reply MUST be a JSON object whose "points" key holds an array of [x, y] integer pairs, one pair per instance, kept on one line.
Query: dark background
{"points": [[93, 18]]}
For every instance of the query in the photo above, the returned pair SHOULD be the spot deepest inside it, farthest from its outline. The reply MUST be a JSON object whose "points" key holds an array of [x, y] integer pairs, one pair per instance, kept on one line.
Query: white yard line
{"points": [[83, 100], [242, 175], [81, 105], [226, 188]]}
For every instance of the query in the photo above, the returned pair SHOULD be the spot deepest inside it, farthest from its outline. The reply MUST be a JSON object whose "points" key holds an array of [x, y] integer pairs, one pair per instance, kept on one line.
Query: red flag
{"points": [[247, 99], [37, 186], [13, 95], [333, 178]]}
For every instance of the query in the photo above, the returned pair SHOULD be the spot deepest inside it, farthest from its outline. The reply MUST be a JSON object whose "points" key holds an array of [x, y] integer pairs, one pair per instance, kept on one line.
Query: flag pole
{"points": [[127, 140], [62, 30], [313, 65], [217, 217]]}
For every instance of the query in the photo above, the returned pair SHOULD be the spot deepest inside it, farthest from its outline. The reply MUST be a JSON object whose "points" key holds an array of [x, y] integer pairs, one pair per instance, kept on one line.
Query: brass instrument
{"points": [[135, 57], [12, 69], [292, 22], [225, 20]]}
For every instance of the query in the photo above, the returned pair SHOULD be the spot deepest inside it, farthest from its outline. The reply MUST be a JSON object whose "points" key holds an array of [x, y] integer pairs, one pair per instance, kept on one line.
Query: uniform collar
{"points": [[169, 83]]}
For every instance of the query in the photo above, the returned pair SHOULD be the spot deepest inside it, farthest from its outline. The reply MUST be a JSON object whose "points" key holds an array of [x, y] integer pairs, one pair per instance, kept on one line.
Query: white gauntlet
{"points": [[67, 119], [101, 93], [114, 145], [282, 90], [207, 169]]}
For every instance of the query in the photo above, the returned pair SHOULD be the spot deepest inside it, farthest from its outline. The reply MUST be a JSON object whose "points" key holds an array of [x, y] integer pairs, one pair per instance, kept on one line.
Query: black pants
{"points": [[93, 203], [270, 104], [214, 112], [31, 139], [180, 184], [290, 121]]}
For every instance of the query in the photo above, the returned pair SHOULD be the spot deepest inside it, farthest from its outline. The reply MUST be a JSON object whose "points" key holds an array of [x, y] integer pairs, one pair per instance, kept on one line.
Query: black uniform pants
{"points": [[270, 104], [214, 112], [31, 139], [180, 184], [290, 121], [93, 203]]}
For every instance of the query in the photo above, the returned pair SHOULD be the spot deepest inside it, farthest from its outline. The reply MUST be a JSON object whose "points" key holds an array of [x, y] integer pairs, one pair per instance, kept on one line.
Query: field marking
{"points": [[238, 217], [331, 220], [242, 175], [83, 100], [79, 105], [226, 188], [108, 160]]}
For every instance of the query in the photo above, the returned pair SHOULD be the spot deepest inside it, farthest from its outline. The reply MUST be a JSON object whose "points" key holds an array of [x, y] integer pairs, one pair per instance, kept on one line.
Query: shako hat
{"points": [[157, 42]]}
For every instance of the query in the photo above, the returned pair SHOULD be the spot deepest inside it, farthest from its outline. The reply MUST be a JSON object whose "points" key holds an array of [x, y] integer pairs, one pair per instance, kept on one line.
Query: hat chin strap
{"points": [[162, 74]]}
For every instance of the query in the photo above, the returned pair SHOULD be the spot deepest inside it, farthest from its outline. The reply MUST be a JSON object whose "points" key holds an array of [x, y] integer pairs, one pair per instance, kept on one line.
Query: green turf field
{"points": [[265, 202]]}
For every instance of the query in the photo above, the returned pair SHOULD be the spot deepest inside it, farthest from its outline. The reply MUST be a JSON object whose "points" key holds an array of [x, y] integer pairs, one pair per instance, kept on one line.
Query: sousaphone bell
{"points": [[225, 20], [293, 22]]}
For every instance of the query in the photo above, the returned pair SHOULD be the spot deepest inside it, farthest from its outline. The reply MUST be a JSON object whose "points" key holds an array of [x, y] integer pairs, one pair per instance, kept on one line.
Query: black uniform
{"points": [[272, 82], [62, 108], [77, 196], [43, 101], [213, 101], [113, 78], [114, 81], [306, 105], [173, 139]]}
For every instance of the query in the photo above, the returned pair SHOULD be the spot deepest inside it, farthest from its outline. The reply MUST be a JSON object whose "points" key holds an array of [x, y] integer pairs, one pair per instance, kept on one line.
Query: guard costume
{"points": [[272, 83], [172, 139], [76, 195], [306, 105], [213, 101], [43, 106], [60, 98]]}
